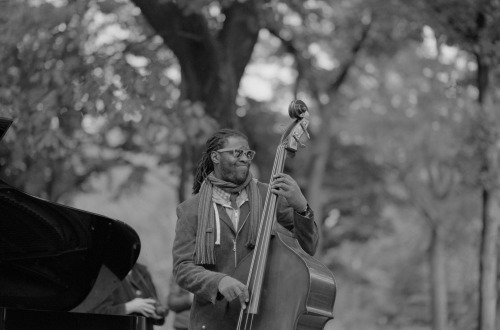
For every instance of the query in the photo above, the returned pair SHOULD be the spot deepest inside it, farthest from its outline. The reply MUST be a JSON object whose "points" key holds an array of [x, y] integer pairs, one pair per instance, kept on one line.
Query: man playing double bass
{"points": [[218, 226]]}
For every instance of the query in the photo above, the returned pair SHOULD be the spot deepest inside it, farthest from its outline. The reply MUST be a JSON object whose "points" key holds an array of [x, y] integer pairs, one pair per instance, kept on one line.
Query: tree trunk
{"points": [[438, 280], [490, 210], [437, 261], [321, 154], [488, 262], [211, 63], [322, 151]]}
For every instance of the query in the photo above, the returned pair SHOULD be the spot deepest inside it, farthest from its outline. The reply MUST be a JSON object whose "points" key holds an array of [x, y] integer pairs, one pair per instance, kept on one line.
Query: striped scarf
{"points": [[205, 238]]}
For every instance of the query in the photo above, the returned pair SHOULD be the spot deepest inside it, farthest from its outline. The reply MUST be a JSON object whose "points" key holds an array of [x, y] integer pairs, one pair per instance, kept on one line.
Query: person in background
{"points": [[179, 301], [135, 296], [217, 227]]}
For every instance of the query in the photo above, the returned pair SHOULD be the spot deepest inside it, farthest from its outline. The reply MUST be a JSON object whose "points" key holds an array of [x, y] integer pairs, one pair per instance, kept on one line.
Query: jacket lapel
{"points": [[225, 218]]}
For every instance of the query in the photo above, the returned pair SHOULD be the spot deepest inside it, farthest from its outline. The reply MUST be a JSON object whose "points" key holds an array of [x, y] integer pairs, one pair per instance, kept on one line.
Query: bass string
{"points": [[263, 238], [264, 215], [268, 219]]}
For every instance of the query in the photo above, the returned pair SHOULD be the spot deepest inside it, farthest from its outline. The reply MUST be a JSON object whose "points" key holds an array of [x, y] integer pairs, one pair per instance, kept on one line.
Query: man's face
{"points": [[229, 168]]}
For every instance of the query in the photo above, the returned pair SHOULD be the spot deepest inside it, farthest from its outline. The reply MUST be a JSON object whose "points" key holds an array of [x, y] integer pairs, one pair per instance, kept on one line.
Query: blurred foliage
{"points": [[473, 25], [84, 76], [92, 86], [356, 200]]}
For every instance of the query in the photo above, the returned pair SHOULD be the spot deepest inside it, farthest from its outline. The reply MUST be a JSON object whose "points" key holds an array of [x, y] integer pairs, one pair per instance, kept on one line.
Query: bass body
{"points": [[298, 291]]}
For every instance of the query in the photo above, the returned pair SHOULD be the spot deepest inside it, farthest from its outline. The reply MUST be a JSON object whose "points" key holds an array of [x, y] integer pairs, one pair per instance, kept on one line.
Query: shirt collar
{"points": [[222, 197]]}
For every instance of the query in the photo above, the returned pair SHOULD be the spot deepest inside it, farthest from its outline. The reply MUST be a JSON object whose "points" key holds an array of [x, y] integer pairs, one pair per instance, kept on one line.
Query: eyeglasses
{"points": [[237, 153]]}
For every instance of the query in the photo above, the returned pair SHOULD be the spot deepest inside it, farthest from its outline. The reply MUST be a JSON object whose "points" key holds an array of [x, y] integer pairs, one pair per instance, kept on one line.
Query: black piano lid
{"points": [[55, 257], [4, 126]]}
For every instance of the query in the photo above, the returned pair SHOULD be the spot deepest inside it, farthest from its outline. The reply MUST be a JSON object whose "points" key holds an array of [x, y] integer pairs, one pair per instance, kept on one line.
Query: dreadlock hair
{"points": [[205, 165]]}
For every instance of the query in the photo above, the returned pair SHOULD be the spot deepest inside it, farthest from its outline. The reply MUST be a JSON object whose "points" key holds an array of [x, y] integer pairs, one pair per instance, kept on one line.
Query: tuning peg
{"points": [[298, 141], [304, 127]]}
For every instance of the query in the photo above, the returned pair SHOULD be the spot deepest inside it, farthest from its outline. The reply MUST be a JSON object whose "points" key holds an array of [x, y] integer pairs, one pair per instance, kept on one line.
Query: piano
{"points": [[58, 262]]}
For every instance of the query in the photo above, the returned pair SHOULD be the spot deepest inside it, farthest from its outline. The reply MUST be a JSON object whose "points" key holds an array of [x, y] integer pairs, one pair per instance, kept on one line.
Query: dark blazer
{"points": [[207, 312], [138, 284]]}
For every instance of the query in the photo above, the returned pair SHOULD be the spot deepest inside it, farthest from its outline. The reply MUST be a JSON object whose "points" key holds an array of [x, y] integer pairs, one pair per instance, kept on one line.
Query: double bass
{"points": [[289, 289]]}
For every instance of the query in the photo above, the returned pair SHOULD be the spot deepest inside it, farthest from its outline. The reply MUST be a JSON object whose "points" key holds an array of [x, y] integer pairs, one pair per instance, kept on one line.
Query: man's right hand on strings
{"points": [[231, 288]]}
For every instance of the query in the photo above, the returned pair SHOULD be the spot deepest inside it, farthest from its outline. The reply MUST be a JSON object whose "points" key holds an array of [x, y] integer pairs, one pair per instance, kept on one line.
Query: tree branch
{"points": [[189, 37], [335, 85], [240, 34]]}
